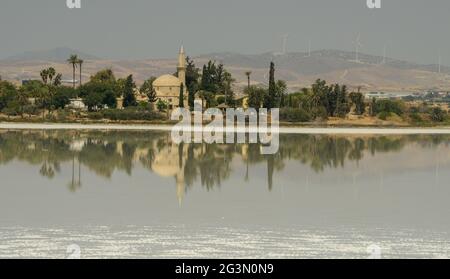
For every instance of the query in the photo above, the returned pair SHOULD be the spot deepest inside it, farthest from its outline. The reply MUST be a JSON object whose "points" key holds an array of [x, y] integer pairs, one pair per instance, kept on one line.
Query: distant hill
{"points": [[370, 73], [59, 54]]}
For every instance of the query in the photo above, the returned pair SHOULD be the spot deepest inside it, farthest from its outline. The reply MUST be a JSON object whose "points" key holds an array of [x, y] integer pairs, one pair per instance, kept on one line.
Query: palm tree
{"points": [[51, 73], [73, 60], [80, 63], [248, 74]]}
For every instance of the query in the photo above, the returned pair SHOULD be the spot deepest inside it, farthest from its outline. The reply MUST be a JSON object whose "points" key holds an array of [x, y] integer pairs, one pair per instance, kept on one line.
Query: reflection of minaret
{"points": [[382, 180], [169, 162], [307, 183], [355, 187], [436, 175], [244, 152], [270, 163], [180, 187], [180, 175], [75, 184], [72, 183], [79, 173]]}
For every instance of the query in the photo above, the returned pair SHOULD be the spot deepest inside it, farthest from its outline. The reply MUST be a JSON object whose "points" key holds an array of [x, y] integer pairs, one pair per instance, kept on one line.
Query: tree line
{"points": [[214, 85]]}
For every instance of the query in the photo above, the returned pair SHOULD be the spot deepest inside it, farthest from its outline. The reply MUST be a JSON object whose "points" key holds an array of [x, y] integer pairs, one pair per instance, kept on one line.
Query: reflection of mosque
{"points": [[169, 162], [185, 162], [210, 164]]}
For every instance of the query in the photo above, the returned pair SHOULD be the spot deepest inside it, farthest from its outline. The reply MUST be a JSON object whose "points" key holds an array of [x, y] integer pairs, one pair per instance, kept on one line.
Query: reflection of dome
{"points": [[166, 162], [164, 167], [167, 81]]}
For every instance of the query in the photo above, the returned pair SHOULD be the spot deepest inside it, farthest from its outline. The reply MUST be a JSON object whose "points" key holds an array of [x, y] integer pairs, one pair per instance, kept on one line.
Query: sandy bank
{"points": [[285, 130]]}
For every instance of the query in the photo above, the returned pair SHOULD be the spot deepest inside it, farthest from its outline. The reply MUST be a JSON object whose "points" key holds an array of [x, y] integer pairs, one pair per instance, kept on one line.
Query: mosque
{"points": [[167, 87]]}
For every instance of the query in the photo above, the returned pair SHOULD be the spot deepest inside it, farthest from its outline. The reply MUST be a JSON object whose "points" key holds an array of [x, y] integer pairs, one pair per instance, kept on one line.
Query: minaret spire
{"points": [[181, 58], [181, 70]]}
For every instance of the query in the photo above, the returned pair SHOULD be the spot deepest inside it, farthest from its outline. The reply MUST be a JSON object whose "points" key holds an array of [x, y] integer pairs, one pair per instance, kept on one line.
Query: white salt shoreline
{"points": [[283, 130]]}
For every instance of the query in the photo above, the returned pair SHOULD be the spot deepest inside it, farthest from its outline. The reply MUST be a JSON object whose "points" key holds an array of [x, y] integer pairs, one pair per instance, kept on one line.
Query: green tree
{"points": [[148, 90], [104, 76], [228, 90], [101, 91], [207, 77], [256, 96], [51, 80], [248, 74], [372, 107], [129, 100], [94, 100], [109, 98], [318, 100], [208, 97], [332, 92], [271, 98], [181, 96], [437, 114], [281, 87], [161, 105], [192, 78], [80, 64], [119, 87], [73, 60], [357, 99], [7, 93], [62, 96], [342, 106]]}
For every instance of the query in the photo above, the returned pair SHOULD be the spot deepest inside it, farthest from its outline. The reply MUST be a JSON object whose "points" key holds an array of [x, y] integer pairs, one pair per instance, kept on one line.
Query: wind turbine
{"points": [[358, 45], [384, 54], [309, 49], [439, 61], [285, 38], [283, 46]]}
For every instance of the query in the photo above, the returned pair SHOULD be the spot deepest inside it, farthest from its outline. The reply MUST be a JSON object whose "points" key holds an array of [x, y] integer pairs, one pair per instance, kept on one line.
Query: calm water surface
{"points": [[138, 195]]}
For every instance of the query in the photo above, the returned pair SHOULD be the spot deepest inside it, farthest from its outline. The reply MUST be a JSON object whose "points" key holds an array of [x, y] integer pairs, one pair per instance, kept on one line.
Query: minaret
{"points": [[182, 67]]}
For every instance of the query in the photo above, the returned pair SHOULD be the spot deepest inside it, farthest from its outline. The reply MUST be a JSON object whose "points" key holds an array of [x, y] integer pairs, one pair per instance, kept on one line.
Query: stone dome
{"points": [[167, 81]]}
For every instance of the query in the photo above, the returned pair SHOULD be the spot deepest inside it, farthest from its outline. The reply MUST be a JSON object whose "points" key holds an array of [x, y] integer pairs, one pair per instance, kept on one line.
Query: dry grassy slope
{"points": [[295, 68]]}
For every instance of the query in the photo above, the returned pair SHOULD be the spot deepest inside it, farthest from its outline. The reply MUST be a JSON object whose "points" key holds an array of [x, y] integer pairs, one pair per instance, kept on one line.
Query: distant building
{"points": [[69, 81], [167, 87], [77, 103], [27, 81]]}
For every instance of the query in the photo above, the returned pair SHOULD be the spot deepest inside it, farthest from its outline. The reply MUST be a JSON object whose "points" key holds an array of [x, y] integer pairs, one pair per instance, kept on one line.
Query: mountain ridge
{"points": [[298, 68]]}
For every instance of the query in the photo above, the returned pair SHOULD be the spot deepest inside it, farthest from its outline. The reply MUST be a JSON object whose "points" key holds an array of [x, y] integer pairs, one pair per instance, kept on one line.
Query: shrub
{"points": [[414, 110], [161, 105], [384, 115], [437, 114], [31, 109], [144, 105], [294, 115], [389, 106], [319, 113], [126, 114], [415, 117], [220, 100]]}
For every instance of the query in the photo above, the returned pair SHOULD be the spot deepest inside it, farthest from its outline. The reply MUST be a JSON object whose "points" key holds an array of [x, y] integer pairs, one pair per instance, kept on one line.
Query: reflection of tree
{"points": [[100, 157], [209, 164], [47, 170], [75, 184]]}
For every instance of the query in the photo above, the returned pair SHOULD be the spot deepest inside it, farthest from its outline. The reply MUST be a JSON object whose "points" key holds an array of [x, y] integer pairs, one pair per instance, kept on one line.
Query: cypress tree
{"points": [[342, 106], [128, 94], [191, 99], [270, 99], [205, 78], [181, 96]]}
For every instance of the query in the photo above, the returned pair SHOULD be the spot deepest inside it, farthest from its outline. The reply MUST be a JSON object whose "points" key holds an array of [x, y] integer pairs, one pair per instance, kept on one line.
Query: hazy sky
{"points": [[415, 30]]}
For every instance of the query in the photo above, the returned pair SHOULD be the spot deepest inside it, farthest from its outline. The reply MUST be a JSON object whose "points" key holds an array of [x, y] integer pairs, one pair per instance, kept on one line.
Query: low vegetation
{"points": [[106, 97]]}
